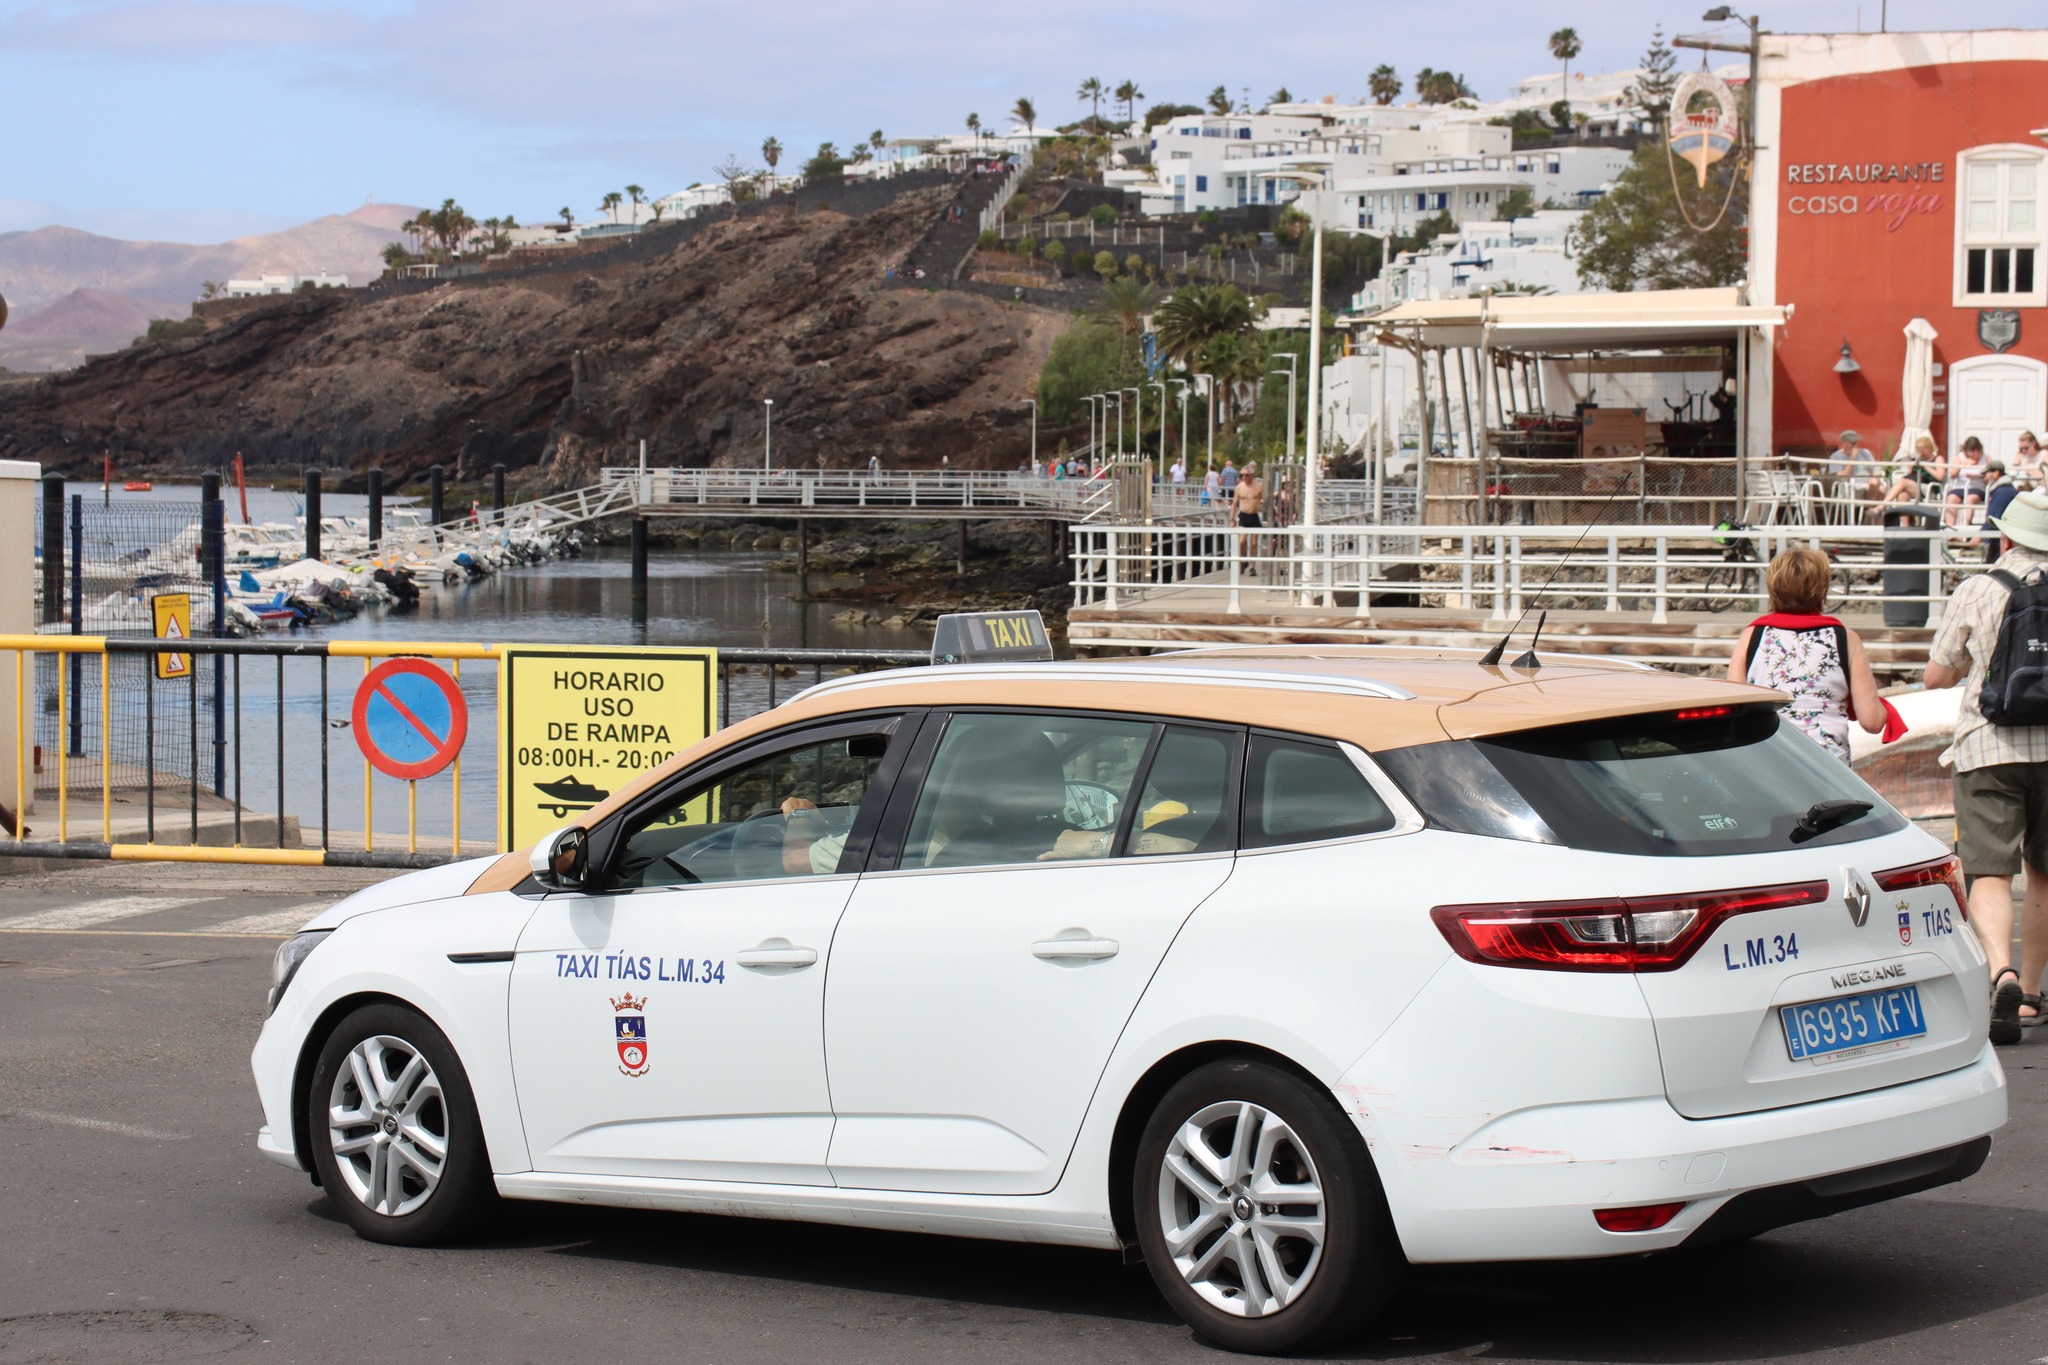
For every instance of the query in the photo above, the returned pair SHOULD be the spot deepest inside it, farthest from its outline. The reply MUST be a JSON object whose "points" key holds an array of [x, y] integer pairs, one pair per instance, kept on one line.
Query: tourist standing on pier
{"points": [[1248, 498], [2001, 773], [1815, 658]]}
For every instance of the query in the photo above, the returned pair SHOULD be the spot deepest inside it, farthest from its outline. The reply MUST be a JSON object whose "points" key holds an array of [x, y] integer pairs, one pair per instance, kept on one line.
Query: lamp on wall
{"points": [[1847, 364]]}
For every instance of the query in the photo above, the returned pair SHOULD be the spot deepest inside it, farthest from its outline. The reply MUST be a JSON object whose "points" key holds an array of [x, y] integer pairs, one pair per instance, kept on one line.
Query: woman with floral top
{"points": [[1815, 658]]}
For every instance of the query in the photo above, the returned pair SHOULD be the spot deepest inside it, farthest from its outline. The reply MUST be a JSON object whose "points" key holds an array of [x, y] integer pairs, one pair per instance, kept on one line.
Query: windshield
{"points": [[1734, 781]]}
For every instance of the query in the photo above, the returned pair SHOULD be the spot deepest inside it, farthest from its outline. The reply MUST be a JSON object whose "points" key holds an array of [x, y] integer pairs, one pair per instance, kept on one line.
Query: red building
{"points": [[1901, 176]]}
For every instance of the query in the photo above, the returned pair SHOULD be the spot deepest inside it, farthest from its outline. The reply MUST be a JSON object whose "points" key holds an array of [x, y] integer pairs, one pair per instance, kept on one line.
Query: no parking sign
{"points": [[409, 719]]}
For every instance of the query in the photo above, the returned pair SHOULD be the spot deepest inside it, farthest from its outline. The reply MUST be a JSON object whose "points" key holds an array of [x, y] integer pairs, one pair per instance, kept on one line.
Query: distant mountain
{"points": [[83, 322], [39, 268]]}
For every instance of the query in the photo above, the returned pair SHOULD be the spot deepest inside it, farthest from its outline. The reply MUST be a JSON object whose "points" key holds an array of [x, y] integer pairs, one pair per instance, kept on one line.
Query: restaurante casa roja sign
{"points": [[1894, 205]]}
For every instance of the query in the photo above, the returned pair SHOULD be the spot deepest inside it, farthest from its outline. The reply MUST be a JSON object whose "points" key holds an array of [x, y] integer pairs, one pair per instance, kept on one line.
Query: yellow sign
{"points": [[576, 724], [172, 612]]}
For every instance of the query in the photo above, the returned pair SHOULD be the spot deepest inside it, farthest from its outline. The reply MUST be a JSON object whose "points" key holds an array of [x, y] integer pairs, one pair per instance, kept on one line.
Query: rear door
{"points": [[976, 989], [1807, 962]]}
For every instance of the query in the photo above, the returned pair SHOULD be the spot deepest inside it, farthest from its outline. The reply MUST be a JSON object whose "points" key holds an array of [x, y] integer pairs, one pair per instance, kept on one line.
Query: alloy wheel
{"points": [[1241, 1207], [387, 1123]]}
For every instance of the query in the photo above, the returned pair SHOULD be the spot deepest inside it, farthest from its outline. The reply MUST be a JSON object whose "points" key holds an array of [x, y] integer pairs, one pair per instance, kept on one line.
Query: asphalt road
{"points": [[137, 1222]]}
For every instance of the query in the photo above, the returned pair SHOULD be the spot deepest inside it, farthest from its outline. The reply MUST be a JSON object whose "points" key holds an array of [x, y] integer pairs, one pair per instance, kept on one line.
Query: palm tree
{"points": [[567, 216], [635, 193], [875, 141], [1128, 94], [1280, 96], [974, 127], [1219, 101], [1125, 302], [610, 204], [1091, 91], [1564, 45], [1026, 113], [1385, 84], [771, 152], [1185, 323]]}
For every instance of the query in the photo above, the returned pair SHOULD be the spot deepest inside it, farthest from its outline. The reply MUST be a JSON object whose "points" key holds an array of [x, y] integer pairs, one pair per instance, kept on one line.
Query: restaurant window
{"points": [[1998, 227]]}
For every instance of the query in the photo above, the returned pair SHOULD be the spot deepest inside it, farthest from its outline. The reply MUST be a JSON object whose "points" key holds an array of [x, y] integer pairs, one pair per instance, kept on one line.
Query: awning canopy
{"points": [[1581, 322]]}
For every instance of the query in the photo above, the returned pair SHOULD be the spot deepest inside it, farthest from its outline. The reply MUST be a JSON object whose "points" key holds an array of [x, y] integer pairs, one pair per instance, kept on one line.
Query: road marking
{"points": [[285, 920], [99, 1125], [89, 913]]}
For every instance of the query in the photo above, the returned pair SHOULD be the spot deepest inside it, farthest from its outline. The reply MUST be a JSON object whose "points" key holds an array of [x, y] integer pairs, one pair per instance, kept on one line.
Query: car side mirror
{"points": [[561, 861]]}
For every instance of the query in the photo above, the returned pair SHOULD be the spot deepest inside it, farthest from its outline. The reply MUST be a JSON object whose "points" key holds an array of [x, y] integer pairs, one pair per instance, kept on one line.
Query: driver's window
{"points": [[784, 816], [1019, 789]]}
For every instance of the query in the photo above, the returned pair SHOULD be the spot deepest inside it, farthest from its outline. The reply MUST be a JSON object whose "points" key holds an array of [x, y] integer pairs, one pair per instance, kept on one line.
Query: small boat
{"points": [[569, 794], [137, 486]]}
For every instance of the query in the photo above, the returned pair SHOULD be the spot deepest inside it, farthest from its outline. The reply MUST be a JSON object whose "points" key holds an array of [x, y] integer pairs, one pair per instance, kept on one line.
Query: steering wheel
{"points": [[1090, 806]]}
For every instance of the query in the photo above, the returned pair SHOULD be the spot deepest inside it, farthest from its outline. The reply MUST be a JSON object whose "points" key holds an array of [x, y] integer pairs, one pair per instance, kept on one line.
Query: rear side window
{"points": [[1297, 793], [1703, 786]]}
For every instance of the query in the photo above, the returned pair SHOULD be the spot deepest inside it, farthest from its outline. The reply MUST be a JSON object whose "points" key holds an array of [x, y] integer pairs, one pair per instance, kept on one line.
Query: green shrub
{"points": [[1102, 215]]}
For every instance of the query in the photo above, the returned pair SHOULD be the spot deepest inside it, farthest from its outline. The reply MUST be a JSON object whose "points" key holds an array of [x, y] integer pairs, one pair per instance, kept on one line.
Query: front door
{"points": [[671, 1022], [978, 988], [1995, 398]]}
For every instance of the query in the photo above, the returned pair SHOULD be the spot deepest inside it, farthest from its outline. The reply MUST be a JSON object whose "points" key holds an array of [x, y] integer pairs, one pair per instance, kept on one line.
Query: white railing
{"points": [[1648, 570], [992, 212]]}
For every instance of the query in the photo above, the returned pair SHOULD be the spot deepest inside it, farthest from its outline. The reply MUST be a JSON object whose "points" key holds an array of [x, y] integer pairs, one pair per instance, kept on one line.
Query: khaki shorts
{"points": [[2001, 813]]}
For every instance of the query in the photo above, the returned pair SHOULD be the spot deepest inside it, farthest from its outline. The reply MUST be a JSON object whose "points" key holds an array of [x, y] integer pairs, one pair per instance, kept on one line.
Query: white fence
{"points": [[1650, 570]]}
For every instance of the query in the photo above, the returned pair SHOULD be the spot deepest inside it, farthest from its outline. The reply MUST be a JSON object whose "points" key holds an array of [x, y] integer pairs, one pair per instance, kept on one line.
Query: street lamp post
{"points": [[768, 434], [1137, 419], [1182, 384], [1119, 396], [1211, 457], [1290, 358], [1161, 386], [1318, 177], [1034, 431]]}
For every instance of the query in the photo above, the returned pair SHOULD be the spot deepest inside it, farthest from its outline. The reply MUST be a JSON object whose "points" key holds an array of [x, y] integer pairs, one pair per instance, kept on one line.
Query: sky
{"points": [[198, 120]]}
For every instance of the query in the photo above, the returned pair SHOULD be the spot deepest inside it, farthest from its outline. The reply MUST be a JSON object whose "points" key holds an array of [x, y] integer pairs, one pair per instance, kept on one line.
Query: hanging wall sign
{"points": [[1705, 134]]}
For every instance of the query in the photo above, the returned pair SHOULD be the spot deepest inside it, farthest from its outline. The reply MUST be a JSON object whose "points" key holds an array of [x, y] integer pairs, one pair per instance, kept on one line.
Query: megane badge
{"points": [[1856, 897]]}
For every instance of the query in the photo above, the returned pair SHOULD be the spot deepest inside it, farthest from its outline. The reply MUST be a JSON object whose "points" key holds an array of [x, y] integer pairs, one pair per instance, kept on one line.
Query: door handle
{"points": [[777, 956], [1072, 949]]}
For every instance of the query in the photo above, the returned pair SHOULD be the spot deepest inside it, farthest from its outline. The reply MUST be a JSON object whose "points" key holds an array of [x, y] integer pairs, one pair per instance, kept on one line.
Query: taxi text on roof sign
{"points": [[575, 725], [990, 637]]}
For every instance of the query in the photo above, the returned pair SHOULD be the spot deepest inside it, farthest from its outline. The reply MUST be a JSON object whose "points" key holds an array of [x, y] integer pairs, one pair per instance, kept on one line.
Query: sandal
{"points": [[2006, 998], [2033, 1002]]}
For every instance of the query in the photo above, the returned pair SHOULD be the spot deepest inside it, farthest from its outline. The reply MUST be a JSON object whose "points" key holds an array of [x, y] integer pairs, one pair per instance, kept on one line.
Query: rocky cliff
{"points": [[559, 371]]}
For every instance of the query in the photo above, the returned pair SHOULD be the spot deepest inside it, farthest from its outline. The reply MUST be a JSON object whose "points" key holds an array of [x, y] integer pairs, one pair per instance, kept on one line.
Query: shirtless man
{"points": [[1249, 497]]}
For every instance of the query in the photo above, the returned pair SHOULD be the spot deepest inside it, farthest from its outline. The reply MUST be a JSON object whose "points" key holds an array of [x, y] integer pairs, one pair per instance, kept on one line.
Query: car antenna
{"points": [[1492, 656], [1529, 660]]}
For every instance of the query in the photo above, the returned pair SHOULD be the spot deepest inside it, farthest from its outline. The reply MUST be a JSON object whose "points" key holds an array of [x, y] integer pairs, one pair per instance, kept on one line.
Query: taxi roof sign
{"points": [[978, 637]]}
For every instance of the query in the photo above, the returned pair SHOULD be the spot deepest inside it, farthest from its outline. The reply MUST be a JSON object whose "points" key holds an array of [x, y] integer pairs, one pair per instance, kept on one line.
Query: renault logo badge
{"points": [[1857, 896]]}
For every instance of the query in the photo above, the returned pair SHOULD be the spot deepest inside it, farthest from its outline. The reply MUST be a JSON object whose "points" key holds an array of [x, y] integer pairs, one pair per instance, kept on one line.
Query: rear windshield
{"points": [[1734, 783]]}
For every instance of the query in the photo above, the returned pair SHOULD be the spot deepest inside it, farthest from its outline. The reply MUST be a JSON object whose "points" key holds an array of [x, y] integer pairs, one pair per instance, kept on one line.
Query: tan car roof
{"points": [[1376, 697]]}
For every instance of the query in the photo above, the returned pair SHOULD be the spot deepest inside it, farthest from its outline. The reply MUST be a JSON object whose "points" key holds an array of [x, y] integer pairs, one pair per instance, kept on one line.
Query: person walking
{"points": [[1819, 661], [1229, 480], [2001, 773], [1212, 486]]}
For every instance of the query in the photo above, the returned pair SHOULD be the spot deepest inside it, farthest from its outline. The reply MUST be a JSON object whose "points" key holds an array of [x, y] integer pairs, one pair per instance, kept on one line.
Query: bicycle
{"points": [[1731, 583]]}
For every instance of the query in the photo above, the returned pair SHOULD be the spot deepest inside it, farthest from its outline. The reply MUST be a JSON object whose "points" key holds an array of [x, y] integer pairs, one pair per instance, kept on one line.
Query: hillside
{"points": [[39, 268], [83, 322], [560, 370]]}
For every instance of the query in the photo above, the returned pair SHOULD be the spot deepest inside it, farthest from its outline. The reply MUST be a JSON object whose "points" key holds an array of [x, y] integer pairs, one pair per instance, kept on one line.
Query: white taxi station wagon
{"points": [[1277, 967]]}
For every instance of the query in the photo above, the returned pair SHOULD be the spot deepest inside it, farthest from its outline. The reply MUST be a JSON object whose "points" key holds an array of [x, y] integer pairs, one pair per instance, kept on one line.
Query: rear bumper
{"points": [[1524, 1186]]}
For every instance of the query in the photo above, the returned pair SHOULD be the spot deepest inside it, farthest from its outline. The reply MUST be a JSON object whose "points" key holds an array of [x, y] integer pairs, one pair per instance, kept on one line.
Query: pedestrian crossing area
{"points": [[236, 916]]}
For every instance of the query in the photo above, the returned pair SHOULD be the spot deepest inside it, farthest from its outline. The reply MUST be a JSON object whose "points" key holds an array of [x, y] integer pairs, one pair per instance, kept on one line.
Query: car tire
{"points": [[1321, 1268], [406, 1165]]}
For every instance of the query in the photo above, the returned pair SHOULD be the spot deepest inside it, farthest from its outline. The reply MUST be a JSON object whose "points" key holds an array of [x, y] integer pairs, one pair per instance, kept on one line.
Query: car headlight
{"points": [[285, 965]]}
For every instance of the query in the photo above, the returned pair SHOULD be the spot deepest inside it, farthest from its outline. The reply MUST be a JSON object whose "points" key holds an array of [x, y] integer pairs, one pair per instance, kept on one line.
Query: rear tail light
{"points": [[1639, 934], [1646, 1218], [1946, 872]]}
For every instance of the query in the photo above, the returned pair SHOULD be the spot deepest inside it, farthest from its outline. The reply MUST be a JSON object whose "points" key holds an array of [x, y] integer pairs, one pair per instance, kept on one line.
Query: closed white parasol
{"points": [[1916, 389]]}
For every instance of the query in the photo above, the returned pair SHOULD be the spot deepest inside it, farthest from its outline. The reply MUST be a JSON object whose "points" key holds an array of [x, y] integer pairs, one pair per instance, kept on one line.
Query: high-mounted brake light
{"points": [[1639, 934], [1646, 1218], [1945, 871], [1704, 713]]}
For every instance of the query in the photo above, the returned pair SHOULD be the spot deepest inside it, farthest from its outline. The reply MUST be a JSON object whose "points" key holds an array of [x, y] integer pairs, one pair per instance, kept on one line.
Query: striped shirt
{"points": [[1968, 635]]}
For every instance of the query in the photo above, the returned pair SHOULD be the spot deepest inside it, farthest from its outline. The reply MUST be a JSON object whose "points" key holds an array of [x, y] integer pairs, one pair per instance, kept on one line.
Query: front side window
{"points": [[1026, 788], [787, 815], [1999, 228]]}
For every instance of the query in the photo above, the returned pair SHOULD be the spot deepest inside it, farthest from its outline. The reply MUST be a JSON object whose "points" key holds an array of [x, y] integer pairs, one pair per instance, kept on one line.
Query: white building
{"points": [[1527, 255], [282, 284], [1470, 189]]}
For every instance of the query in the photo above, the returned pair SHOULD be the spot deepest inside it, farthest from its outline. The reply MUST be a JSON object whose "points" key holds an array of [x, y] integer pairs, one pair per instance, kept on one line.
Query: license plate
{"points": [[1823, 1031]]}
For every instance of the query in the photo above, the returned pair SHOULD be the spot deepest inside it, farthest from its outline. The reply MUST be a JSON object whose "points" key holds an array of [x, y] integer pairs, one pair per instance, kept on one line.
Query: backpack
{"points": [[2015, 690]]}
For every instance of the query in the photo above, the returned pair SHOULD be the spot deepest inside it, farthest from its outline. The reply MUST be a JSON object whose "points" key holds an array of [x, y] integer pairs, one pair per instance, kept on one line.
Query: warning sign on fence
{"points": [[172, 612], [575, 725]]}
